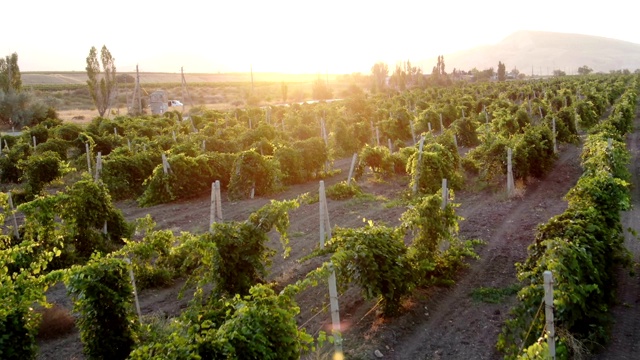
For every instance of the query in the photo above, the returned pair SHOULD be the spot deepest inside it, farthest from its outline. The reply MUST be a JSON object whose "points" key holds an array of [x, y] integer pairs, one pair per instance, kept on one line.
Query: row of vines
{"points": [[582, 247], [75, 234]]}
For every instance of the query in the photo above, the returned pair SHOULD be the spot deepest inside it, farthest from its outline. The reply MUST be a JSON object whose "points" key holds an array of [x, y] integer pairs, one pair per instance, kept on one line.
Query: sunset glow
{"points": [[285, 36]]}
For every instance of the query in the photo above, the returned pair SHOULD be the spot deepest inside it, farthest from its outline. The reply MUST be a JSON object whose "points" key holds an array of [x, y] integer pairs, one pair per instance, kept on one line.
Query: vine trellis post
{"points": [[510, 182], [548, 313], [216, 204], [135, 291], [325, 234], [86, 146], [555, 145], [417, 173], [353, 165], [16, 233]]}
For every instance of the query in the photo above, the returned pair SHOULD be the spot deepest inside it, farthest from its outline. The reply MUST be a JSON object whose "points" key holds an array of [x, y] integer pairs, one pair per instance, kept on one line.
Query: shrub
{"points": [[375, 258], [377, 158], [56, 321], [40, 169], [9, 170], [252, 170], [342, 191], [102, 295]]}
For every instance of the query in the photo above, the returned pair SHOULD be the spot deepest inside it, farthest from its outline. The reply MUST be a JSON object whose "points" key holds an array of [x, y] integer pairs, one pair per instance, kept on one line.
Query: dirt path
{"points": [[447, 323], [625, 335], [439, 323]]}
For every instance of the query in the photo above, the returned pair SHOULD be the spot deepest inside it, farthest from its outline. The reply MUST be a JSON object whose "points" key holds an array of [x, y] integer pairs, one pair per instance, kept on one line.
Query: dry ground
{"points": [[438, 323]]}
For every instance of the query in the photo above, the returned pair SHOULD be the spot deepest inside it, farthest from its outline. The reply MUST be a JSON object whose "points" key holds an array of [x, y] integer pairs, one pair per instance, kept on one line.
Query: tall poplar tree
{"points": [[101, 86], [10, 79]]}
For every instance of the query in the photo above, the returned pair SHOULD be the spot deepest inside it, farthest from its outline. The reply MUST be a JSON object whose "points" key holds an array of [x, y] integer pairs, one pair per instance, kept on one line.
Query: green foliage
{"points": [[374, 258], [377, 158], [21, 286], [84, 208], [342, 191], [436, 162], [101, 90], [253, 171], [102, 295], [291, 165], [314, 156], [260, 325], [58, 146], [431, 224], [125, 174], [9, 170], [40, 169], [581, 247], [234, 255], [466, 131], [189, 177], [10, 77], [494, 295]]}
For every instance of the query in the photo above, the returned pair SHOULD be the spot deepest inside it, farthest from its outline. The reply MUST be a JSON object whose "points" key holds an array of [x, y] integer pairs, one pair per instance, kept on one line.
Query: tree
{"points": [[379, 72], [320, 90], [10, 80], [101, 88], [502, 71], [284, 89], [398, 79], [584, 70], [558, 72]]}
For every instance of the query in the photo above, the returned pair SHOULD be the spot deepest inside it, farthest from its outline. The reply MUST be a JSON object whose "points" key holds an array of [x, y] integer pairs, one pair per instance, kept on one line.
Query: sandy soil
{"points": [[439, 323]]}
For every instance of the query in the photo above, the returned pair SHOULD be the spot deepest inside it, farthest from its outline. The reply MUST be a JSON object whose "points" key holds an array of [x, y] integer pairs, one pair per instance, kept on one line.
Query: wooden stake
{"points": [[173, 134], [441, 124], [218, 201], [86, 146], [353, 165], [413, 132], [555, 146], [377, 137], [129, 143], [165, 164], [417, 177], [253, 189], [333, 288], [135, 291], [6, 146], [16, 233], [216, 204], [548, 312], [455, 140], [429, 126], [510, 182], [390, 145], [445, 194], [115, 131], [34, 142], [98, 166]]}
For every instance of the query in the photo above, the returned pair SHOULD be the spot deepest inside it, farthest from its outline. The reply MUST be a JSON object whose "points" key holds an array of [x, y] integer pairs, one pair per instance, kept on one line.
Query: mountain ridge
{"points": [[540, 53]]}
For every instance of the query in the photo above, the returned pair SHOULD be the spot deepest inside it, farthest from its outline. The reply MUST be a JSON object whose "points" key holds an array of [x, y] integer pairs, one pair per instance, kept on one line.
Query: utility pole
{"points": [[185, 90]]}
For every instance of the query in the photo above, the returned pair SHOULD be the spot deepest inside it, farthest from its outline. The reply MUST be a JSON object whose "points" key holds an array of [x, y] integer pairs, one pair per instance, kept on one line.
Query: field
{"points": [[453, 312], [67, 91]]}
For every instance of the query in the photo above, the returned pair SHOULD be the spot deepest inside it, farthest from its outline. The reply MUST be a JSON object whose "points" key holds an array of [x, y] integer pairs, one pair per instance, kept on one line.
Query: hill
{"points": [[542, 52]]}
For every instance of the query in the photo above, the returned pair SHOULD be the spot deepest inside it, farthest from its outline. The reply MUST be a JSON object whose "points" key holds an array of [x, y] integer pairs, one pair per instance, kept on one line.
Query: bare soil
{"points": [[438, 323]]}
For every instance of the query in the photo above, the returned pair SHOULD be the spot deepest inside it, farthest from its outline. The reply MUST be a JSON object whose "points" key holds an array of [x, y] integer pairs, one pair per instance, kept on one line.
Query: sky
{"points": [[285, 36]]}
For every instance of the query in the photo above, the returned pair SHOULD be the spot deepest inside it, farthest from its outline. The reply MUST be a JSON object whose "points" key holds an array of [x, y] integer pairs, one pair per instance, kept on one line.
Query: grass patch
{"points": [[494, 295]]}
